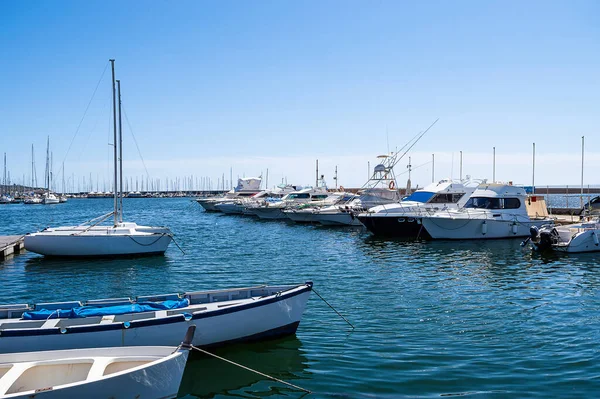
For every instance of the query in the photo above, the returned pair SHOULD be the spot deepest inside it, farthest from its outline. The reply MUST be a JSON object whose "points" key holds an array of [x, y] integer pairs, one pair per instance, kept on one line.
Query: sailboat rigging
{"points": [[93, 239]]}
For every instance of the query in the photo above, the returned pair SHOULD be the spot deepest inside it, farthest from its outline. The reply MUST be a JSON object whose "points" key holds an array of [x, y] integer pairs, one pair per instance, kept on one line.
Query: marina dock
{"points": [[10, 245]]}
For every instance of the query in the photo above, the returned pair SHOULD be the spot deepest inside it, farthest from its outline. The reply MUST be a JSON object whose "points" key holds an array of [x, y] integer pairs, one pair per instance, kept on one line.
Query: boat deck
{"points": [[10, 245]]}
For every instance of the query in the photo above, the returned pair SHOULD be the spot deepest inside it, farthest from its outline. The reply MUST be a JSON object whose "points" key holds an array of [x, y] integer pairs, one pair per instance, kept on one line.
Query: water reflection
{"points": [[208, 377]]}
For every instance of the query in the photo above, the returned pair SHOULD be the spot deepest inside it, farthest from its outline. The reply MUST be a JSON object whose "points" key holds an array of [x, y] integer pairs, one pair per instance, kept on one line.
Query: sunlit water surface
{"points": [[482, 319]]}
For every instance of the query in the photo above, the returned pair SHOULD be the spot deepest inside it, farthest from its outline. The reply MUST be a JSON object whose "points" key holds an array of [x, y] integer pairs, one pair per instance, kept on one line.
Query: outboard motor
{"points": [[548, 238], [534, 236]]}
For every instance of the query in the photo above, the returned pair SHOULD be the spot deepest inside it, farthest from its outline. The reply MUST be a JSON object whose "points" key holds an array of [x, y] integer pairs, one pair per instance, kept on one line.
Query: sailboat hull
{"points": [[97, 245]]}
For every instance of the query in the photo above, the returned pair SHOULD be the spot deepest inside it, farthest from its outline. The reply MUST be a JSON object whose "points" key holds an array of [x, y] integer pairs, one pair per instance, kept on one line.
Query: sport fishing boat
{"points": [[221, 316], [401, 219], [572, 238], [120, 372], [379, 189], [494, 210], [246, 187], [93, 239]]}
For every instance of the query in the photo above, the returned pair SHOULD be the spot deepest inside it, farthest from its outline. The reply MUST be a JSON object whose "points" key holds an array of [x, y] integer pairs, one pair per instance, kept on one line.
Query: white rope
{"points": [[252, 370]]}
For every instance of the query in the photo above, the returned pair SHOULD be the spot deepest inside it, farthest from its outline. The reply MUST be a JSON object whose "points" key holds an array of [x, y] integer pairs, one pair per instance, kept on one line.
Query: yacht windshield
{"points": [[419, 196], [298, 196], [493, 203], [446, 198]]}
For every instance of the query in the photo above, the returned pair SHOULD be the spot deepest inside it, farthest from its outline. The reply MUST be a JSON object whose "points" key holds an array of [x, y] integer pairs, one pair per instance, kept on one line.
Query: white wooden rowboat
{"points": [[153, 372], [222, 316]]}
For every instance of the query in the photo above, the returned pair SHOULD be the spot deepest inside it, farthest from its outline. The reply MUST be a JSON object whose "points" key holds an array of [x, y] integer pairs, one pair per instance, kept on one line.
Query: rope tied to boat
{"points": [[161, 235], [250, 369], [338, 313]]}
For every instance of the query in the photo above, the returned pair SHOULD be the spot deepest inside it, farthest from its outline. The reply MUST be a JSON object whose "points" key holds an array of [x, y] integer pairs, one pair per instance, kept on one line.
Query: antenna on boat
{"points": [[582, 155], [408, 183], [336, 178], [432, 168], [461, 166], [317, 175], [120, 158], [533, 172], [116, 210], [494, 165]]}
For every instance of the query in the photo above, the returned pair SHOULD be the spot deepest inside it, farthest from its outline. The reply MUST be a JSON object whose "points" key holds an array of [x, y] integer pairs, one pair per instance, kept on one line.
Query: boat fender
{"points": [[484, 228], [595, 237], [514, 228], [392, 185]]}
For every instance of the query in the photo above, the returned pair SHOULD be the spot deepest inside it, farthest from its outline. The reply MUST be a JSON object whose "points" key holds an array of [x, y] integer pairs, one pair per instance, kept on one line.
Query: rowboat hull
{"points": [[140, 372], [218, 323]]}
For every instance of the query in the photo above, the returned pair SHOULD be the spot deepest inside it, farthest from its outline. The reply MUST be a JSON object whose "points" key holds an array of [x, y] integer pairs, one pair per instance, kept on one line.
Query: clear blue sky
{"points": [[276, 84]]}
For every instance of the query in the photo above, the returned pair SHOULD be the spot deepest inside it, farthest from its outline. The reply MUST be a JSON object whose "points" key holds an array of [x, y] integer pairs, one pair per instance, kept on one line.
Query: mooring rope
{"points": [[252, 370], [339, 314]]}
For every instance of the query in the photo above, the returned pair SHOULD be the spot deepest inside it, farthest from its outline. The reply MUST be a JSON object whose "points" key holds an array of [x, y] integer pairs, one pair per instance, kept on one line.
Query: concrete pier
{"points": [[10, 245]]}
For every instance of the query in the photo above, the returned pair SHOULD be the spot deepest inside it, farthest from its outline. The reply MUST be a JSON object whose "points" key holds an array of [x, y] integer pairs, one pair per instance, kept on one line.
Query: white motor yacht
{"points": [[246, 187], [274, 210], [493, 211], [400, 219]]}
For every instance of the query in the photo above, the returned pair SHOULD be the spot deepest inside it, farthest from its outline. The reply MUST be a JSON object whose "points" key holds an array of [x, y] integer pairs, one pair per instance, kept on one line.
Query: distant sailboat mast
{"points": [[114, 93]]}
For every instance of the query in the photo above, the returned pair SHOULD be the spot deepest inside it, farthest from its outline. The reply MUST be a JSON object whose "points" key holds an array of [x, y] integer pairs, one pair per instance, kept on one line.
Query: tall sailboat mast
{"points": [[32, 169], [120, 157], [47, 175], [116, 210]]}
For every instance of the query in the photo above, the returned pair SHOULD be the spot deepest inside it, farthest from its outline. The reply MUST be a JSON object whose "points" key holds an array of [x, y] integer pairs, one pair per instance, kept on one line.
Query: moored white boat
{"points": [[93, 239], [493, 211], [222, 316], [86, 241], [572, 238], [32, 200], [50, 199], [119, 372], [246, 187], [400, 219], [304, 196]]}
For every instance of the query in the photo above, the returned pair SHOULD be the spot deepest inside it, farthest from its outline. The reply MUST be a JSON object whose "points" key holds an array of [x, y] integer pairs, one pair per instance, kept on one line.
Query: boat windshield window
{"points": [[484, 203], [446, 198], [512, 203], [319, 196], [419, 196], [299, 196]]}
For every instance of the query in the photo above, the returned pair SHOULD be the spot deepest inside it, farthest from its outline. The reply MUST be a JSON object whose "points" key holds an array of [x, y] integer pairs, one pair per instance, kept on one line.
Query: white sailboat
{"points": [[48, 198], [91, 238]]}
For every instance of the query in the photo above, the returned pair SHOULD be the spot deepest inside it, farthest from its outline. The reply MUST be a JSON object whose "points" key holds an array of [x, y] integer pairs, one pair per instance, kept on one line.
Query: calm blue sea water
{"points": [[479, 319]]}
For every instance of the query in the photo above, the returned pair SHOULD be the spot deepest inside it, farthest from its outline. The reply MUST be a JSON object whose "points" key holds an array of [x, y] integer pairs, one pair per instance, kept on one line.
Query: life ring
{"points": [[342, 188], [392, 185]]}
